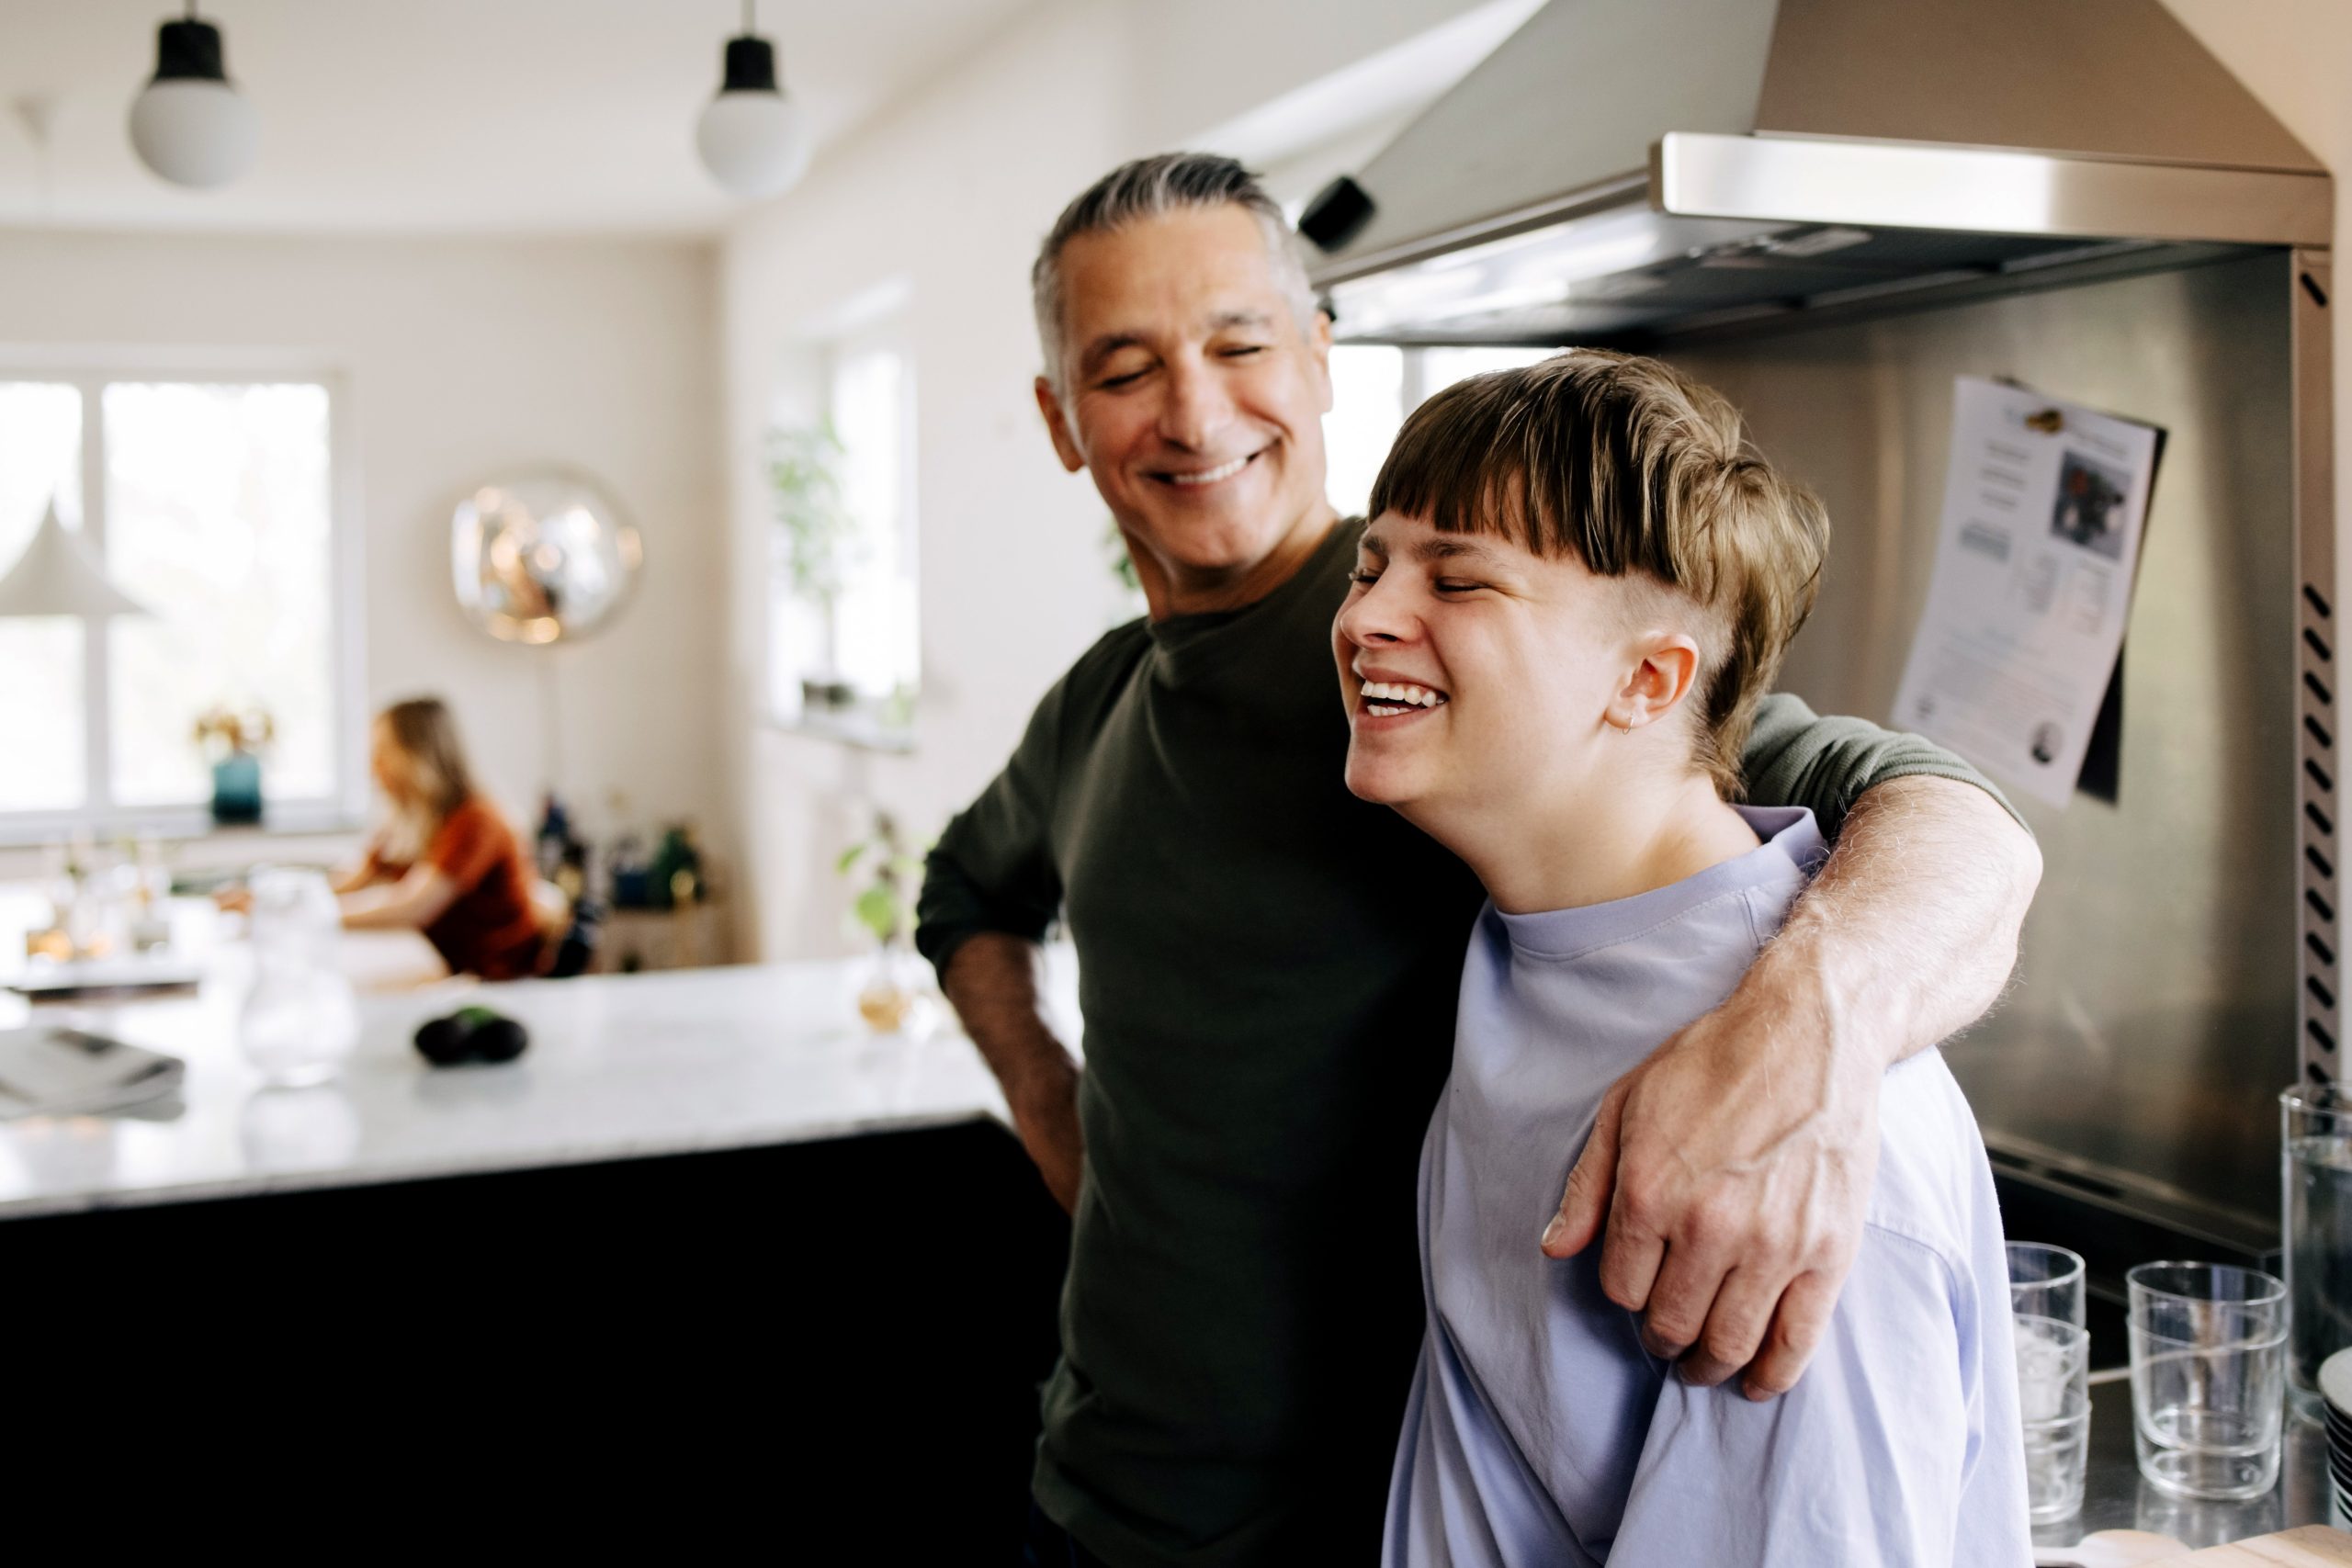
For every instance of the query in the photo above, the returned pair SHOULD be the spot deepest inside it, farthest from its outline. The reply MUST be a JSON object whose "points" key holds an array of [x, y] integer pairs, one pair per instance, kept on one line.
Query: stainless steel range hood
{"points": [[1631, 170]]}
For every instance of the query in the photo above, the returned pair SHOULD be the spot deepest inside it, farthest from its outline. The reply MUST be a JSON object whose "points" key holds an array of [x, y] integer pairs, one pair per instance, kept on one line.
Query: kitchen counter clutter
{"points": [[2115, 1496], [621, 1067]]}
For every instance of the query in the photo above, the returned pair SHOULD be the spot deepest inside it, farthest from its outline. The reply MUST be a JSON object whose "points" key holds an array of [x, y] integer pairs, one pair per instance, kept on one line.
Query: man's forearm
{"points": [[993, 982], [1734, 1166], [1909, 933]]}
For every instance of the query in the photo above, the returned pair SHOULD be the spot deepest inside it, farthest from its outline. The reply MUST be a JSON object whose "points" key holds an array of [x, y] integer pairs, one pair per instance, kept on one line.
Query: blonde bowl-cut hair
{"points": [[1634, 470], [426, 733]]}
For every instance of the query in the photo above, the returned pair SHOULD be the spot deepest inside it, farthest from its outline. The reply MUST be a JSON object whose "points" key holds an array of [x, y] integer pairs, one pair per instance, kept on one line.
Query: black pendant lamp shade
{"points": [[189, 50], [751, 66]]}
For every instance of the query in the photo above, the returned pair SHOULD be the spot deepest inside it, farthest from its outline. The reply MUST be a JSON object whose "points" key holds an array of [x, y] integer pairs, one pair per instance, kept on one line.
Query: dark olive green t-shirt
{"points": [[1267, 969]]}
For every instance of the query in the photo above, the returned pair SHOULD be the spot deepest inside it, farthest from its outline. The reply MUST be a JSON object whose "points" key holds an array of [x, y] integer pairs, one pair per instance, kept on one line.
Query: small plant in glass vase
{"points": [[820, 542], [891, 872], [232, 740]]}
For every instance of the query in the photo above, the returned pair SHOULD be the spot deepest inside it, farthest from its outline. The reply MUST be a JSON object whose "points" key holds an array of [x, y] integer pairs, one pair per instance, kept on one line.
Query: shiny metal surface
{"points": [[541, 558], [2094, 120], [2115, 1497], [2153, 1018], [1566, 108], [2320, 1000], [2109, 78], [1984, 191]]}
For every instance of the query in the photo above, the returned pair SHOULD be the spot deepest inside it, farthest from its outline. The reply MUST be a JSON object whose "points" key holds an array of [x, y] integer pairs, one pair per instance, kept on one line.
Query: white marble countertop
{"points": [[619, 1066]]}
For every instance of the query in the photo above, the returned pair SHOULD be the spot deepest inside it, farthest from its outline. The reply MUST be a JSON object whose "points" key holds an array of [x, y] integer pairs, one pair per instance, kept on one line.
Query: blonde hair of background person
{"points": [[420, 764]]}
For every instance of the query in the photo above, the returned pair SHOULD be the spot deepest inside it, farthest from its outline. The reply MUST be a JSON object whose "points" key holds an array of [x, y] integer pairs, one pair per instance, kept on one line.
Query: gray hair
{"points": [[1152, 187]]}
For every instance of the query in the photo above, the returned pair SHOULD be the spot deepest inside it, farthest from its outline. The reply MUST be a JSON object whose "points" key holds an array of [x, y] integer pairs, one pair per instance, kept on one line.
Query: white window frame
{"points": [[877, 320], [89, 371]]}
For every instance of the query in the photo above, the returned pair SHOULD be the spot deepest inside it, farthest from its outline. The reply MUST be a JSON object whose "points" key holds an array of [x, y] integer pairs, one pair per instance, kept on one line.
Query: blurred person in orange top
{"points": [[444, 862]]}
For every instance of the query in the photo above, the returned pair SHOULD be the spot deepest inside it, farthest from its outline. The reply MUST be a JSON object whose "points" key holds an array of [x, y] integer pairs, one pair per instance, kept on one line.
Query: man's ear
{"points": [[1319, 343], [1668, 666], [1057, 426]]}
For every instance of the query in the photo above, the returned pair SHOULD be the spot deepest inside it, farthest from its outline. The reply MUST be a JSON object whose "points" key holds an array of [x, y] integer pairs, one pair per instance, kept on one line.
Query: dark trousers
{"points": [[1049, 1546]]}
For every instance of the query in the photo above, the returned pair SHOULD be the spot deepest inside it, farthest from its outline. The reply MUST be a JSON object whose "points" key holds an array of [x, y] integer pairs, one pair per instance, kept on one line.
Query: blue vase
{"points": [[236, 789]]}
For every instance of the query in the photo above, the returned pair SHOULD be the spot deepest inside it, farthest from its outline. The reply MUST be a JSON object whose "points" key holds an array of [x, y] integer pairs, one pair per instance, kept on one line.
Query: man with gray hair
{"points": [[1267, 967]]}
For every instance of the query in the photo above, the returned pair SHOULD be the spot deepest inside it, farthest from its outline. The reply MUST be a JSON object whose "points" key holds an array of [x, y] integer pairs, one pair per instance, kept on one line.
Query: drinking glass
{"points": [[2315, 1170], [2054, 1398], [2209, 1353], [2045, 1281], [2057, 1460]]}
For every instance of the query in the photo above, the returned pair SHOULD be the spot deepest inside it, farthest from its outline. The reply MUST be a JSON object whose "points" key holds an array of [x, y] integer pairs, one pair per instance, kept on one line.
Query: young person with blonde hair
{"points": [[1577, 587], [444, 862]]}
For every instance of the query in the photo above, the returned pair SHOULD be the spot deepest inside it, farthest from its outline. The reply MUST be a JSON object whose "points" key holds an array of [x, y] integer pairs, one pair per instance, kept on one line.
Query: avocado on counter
{"points": [[471, 1034]]}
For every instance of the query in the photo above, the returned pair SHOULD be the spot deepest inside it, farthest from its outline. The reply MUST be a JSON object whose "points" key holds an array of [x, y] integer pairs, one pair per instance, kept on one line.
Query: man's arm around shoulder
{"points": [[1732, 1169]]}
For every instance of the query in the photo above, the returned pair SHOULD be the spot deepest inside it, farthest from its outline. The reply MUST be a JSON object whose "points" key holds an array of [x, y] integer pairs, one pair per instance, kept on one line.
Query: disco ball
{"points": [[542, 557]]}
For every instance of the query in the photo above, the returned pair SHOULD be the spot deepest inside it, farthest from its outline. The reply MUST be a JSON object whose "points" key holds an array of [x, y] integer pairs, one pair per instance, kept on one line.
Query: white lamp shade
{"points": [[194, 132], [752, 142], [55, 576]]}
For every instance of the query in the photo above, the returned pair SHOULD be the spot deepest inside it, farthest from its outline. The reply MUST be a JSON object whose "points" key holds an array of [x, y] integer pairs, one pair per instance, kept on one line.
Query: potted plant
{"points": [[885, 908], [820, 538], [233, 742]]}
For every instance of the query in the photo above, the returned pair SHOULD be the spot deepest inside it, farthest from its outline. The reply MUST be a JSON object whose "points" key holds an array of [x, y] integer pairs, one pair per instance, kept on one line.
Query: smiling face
{"points": [[1194, 396], [1481, 678]]}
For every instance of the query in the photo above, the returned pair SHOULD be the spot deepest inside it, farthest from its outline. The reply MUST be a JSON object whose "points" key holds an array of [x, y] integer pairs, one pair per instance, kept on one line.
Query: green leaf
{"points": [[879, 912], [849, 858]]}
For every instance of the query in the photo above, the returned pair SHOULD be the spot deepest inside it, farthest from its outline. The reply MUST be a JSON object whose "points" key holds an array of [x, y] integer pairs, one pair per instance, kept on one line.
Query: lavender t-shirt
{"points": [[1540, 1432]]}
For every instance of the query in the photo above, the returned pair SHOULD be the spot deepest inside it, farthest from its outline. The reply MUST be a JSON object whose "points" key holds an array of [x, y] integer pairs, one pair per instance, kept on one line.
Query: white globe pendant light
{"points": [[189, 124], [750, 136]]}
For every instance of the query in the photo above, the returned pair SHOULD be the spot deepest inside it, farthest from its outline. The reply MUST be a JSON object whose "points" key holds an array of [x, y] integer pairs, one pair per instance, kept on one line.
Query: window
{"points": [[1373, 387], [211, 505], [844, 646]]}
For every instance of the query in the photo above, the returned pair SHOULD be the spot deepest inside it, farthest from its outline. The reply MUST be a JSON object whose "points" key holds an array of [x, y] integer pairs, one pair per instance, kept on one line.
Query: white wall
{"points": [[465, 358], [952, 192]]}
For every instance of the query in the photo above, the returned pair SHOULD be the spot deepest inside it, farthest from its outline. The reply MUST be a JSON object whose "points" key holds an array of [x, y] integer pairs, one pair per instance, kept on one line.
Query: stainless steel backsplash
{"points": [[2153, 1020]]}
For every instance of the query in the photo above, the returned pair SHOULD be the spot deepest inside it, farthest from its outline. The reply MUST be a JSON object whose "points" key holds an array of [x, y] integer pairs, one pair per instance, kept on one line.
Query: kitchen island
{"points": [[710, 1254], [620, 1068]]}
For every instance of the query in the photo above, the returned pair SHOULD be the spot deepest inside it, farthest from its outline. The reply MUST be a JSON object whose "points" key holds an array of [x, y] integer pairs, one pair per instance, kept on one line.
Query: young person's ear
{"points": [[1667, 668], [1057, 426]]}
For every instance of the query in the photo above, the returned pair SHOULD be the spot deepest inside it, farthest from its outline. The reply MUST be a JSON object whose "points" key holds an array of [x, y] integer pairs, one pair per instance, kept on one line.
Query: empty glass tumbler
{"points": [[299, 1019], [2316, 1201], [2045, 1281], [2053, 1397], [2208, 1352]]}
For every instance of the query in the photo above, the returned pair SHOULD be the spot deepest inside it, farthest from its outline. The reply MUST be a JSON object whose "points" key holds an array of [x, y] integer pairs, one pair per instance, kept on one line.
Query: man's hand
{"points": [[1733, 1168]]}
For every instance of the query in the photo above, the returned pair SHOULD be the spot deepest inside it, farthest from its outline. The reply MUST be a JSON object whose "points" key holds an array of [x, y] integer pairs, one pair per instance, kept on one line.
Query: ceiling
{"points": [[459, 116]]}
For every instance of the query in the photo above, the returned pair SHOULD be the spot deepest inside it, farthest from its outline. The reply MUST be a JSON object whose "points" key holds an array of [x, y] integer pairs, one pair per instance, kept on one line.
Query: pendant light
{"points": [[189, 124], [56, 576], [750, 136]]}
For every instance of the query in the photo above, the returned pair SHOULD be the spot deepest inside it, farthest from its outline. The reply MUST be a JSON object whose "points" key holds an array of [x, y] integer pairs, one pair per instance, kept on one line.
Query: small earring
{"points": [[1621, 729]]}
